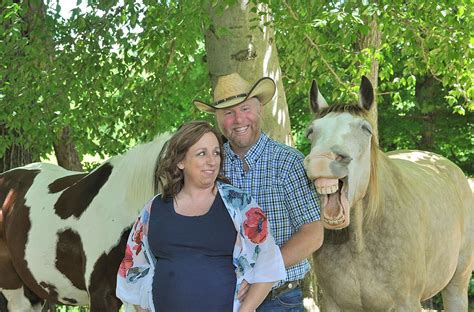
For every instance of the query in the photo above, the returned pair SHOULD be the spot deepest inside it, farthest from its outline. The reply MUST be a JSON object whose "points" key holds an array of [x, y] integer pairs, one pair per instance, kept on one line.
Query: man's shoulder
{"points": [[283, 151]]}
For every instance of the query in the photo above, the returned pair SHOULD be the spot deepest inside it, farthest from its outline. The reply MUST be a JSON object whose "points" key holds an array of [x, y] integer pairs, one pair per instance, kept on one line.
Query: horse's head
{"points": [[339, 162]]}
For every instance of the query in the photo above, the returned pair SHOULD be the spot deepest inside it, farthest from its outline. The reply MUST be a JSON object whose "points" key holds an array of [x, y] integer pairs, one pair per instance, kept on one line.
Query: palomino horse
{"points": [[404, 219], [66, 231]]}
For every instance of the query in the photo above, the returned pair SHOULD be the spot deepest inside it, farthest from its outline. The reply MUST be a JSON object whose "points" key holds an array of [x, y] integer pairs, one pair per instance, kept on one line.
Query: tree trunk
{"points": [[242, 41], [373, 42], [427, 141], [15, 155], [66, 153]]}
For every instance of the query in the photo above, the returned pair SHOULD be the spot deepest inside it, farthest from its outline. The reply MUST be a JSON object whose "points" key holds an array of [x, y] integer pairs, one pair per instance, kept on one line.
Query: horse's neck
{"points": [[135, 171], [360, 227]]}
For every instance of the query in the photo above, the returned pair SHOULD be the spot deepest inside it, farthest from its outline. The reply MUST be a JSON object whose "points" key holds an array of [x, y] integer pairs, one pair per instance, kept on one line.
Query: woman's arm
{"points": [[255, 296], [135, 274]]}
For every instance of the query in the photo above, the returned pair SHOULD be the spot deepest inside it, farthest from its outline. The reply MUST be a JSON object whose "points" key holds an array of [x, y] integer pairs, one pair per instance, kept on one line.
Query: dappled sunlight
{"points": [[425, 160], [310, 305], [417, 156], [266, 62], [281, 117], [88, 161]]}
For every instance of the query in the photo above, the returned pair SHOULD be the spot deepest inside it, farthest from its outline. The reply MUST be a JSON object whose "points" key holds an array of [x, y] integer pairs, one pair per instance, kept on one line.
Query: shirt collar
{"points": [[253, 154]]}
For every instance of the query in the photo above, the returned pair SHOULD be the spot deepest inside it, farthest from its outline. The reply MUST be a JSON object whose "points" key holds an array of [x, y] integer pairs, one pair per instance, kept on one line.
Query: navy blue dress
{"points": [[194, 270]]}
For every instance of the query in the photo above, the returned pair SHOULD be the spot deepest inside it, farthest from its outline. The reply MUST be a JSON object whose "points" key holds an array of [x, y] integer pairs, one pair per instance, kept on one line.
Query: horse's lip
{"points": [[345, 184]]}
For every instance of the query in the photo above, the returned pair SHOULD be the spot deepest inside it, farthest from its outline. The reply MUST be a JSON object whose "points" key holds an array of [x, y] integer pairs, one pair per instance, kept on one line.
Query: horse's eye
{"points": [[308, 133], [367, 128]]}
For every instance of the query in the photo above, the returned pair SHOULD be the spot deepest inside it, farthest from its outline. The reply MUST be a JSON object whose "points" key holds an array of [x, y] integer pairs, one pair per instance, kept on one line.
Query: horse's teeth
{"points": [[337, 221], [327, 189]]}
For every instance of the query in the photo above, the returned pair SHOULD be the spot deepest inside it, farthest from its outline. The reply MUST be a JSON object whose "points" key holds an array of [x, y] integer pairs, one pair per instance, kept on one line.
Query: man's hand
{"points": [[244, 288]]}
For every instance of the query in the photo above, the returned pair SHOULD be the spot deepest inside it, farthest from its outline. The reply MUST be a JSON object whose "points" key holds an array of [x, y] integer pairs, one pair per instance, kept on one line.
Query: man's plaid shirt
{"points": [[277, 181]]}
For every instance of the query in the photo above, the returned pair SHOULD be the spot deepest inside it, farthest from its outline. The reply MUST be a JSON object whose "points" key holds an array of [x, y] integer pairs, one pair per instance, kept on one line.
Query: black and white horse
{"points": [[63, 233]]}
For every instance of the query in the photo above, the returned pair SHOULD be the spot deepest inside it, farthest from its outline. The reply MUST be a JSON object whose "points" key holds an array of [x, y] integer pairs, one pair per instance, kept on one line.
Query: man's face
{"points": [[240, 124]]}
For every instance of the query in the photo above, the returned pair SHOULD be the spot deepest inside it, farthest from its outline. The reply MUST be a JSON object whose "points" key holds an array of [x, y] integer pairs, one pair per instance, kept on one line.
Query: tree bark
{"points": [[427, 141], [240, 40], [15, 155], [66, 153]]}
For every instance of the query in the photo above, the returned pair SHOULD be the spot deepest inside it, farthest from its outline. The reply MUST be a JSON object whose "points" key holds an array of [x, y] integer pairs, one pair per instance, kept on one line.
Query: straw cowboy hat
{"points": [[232, 89]]}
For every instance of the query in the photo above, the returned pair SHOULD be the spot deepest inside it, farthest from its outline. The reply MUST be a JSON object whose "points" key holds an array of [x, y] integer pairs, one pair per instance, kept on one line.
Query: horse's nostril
{"points": [[343, 158]]}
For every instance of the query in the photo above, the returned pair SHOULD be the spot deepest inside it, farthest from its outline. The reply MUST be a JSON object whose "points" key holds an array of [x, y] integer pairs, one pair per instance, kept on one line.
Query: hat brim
{"points": [[263, 90]]}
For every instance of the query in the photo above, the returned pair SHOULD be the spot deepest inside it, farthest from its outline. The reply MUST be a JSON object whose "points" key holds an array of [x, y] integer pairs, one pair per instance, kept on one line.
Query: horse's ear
{"points": [[366, 93], [316, 100]]}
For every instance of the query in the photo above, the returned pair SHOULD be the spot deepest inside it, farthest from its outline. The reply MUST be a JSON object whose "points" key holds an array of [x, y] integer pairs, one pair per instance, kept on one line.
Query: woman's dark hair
{"points": [[169, 177]]}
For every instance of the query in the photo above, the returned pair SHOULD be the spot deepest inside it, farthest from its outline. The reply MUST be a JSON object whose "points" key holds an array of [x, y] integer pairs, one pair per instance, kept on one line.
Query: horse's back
{"points": [[441, 200], [20, 176], [16, 183], [430, 171]]}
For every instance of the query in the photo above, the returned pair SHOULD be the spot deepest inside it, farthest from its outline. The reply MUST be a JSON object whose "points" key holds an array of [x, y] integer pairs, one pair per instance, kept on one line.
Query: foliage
{"points": [[419, 42], [71, 309], [120, 72]]}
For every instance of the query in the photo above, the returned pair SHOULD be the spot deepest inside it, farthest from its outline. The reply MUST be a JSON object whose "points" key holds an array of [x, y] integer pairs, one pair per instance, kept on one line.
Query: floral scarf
{"points": [[256, 257]]}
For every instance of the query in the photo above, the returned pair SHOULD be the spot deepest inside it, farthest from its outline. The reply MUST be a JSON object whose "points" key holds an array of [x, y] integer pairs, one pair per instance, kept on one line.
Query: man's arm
{"points": [[303, 243]]}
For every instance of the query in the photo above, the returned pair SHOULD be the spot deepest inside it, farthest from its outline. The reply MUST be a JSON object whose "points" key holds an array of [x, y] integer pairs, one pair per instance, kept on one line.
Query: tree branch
{"points": [[324, 60], [292, 13], [312, 43]]}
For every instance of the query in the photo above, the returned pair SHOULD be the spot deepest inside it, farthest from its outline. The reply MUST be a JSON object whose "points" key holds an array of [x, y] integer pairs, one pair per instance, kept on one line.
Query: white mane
{"points": [[138, 166]]}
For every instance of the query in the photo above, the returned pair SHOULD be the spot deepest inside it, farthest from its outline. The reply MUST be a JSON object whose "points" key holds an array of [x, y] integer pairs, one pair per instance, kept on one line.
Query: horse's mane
{"points": [[343, 108], [137, 167], [372, 195]]}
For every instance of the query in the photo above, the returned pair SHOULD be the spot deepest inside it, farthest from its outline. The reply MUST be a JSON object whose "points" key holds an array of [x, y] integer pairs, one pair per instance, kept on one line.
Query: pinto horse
{"points": [[399, 226], [65, 232]]}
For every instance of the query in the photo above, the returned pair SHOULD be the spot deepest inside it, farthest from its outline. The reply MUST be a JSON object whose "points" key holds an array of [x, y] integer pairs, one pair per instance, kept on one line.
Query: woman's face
{"points": [[202, 162]]}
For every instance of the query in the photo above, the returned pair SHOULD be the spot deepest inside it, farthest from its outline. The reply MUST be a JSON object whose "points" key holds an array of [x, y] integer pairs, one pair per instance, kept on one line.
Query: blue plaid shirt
{"points": [[277, 181]]}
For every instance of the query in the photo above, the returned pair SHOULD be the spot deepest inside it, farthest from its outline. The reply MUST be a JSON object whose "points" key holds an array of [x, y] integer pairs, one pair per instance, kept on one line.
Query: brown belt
{"points": [[282, 289]]}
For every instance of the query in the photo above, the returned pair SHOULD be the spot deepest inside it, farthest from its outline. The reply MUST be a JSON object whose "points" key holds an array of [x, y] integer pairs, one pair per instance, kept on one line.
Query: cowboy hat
{"points": [[232, 90]]}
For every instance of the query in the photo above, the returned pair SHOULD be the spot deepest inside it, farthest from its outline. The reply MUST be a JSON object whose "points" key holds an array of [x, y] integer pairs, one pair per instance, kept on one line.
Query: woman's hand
{"points": [[244, 288], [254, 297]]}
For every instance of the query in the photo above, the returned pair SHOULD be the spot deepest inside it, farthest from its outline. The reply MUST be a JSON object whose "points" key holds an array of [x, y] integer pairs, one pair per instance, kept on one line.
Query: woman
{"points": [[193, 245]]}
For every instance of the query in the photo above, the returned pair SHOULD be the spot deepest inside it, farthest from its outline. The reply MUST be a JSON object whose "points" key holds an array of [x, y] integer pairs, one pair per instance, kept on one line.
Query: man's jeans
{"points": [[289, 301]]}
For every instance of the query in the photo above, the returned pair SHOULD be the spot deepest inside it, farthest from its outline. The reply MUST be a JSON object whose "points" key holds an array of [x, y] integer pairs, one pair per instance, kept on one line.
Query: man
{"points": [[273, 174]]}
